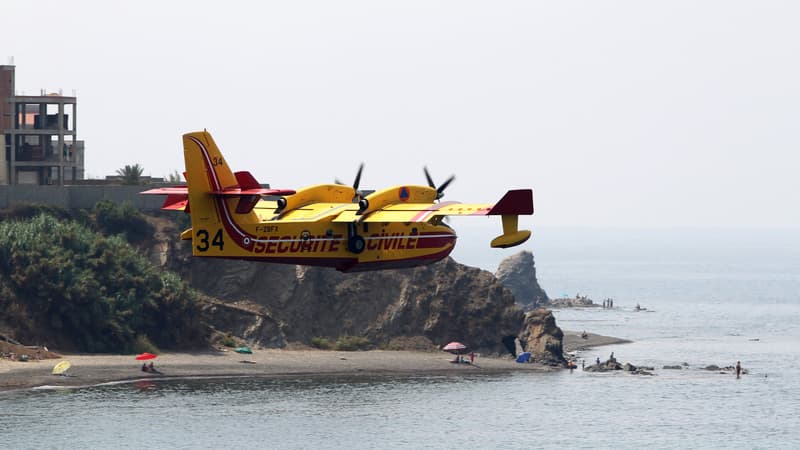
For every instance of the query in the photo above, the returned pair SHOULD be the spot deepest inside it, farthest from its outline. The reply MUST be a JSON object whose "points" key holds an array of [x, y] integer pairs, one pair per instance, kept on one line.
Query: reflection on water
{"points": [[690, 408]]}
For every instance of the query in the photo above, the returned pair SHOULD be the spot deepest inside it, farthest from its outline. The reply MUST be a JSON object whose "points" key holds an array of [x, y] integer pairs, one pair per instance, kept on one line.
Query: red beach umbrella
{"points": [[145, 355], [455, 347]]}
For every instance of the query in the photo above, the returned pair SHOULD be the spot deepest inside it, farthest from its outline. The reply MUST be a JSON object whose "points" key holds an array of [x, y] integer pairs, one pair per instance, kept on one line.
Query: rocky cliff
{"points": [[518, 274], [441, 302], [276, 304]]}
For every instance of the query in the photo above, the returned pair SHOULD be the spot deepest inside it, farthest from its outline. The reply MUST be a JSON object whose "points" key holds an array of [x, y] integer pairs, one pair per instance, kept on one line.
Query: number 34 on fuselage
{"points": [[328, 225]]}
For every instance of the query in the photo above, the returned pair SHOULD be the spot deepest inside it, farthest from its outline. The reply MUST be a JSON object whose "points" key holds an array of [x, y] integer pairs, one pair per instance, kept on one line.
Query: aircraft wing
{"points": [[229, 192], [416, 212]]}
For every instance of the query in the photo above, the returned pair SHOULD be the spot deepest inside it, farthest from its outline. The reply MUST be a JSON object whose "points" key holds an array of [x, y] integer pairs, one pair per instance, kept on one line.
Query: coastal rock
{"points": [[675, 367], [248, 321], [542, 337], [612, 365], [580, 301], [441, 302], [518, 274]]}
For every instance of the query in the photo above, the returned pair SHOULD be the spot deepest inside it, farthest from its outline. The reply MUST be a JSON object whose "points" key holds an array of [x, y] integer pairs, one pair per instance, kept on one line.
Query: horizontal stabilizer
{"points": [[246, 180], [516, 202], [175, 202], [237, 191], [248, 191]]}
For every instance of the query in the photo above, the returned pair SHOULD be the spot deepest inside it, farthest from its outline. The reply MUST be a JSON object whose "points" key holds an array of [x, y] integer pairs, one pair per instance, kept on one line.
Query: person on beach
{"points": [[152, 369], [144, 367], [598, 360], [471, 357], [738, 369]]}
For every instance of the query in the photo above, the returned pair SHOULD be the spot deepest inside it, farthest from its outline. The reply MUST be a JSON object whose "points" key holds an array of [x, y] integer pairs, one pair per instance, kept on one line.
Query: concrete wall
{"points": [[78, 197]]}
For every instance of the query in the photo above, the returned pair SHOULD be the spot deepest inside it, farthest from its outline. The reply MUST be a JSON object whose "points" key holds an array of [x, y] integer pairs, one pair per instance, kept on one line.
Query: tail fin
{"points": [[206, 169], [217, 199], [214, 215]]}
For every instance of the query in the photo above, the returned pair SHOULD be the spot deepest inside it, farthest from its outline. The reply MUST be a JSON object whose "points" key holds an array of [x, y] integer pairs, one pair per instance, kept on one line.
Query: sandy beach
{"points": [[88, 370], [93, 369], [573, 341]]}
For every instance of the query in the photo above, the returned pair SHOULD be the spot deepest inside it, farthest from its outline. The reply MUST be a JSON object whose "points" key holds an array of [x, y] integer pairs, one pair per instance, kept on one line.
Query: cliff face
{"points": [[518, 274], [276, 304], [442, 302]]}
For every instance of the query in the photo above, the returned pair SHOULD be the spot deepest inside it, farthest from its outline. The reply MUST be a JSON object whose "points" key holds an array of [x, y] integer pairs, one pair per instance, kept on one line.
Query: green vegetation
{"points": [[228, 341], [321, 343], [344, 343], [142, 344], [131, 174], [174, 177], [62, 281], [114, 218], [352, 343]]}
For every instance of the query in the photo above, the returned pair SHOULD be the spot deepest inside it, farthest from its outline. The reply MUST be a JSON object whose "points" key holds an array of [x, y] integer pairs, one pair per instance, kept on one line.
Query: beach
{"points": [[93, 369], [573, 341], [88, 370]]}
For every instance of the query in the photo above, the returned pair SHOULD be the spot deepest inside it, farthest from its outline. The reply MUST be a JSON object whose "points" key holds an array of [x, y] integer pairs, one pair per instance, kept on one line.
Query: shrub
{"points": [[142, 344], [321, 343], [228, 341], [122, 218], [98, 293], [352, 343]]}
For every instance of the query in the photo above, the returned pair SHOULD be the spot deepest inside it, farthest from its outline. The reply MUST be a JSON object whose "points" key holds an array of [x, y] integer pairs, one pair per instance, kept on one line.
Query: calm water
{"points": [[707, 308]]}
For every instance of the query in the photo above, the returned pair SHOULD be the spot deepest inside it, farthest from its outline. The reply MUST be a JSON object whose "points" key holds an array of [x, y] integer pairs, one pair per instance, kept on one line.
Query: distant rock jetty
{"points": [[579, 301], [518, 274], [611, 364]]}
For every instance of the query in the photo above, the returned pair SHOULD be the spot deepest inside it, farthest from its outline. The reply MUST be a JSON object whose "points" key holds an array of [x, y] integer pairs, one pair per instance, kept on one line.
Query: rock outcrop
{"points": [[518, 274], [542, 337], [580, 301], [442, 302]]}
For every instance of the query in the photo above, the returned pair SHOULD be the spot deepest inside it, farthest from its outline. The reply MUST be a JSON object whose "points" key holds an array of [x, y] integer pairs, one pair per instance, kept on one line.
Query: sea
{"points": [[707, 297]]}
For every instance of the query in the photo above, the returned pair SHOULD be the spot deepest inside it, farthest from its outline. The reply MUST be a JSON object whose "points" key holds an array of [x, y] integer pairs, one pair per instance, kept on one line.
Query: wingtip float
{"points": [[330, 225]]}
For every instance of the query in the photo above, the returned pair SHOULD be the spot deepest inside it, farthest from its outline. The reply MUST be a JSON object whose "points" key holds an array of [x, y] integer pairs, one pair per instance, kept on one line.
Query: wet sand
{"points": [[88, 370], [574, 342]]}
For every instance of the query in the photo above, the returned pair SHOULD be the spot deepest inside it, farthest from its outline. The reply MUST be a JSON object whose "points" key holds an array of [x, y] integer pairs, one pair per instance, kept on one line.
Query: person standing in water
{"points": [[738, 369]]}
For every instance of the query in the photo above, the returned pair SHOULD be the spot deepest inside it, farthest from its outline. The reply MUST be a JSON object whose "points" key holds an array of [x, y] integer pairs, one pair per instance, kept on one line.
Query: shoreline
{"points": [[99, 369], [90, 370], [573, 342]]}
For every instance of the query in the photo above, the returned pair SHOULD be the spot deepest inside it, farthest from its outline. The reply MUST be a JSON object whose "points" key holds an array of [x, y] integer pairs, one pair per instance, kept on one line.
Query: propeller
{"points": [[442, 187], [356, 182]]}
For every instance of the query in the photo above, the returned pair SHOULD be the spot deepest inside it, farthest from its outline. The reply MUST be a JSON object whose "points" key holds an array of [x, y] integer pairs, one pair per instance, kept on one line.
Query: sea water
{"points": [[704, 305]]}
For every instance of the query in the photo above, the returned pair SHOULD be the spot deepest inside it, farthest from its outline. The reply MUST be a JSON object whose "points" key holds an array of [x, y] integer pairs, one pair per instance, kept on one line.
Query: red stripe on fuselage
{"points": [[237, 234]]}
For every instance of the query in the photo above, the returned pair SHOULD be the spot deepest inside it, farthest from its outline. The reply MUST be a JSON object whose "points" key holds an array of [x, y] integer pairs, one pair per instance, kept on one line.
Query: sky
{"points": [[617, 113]]}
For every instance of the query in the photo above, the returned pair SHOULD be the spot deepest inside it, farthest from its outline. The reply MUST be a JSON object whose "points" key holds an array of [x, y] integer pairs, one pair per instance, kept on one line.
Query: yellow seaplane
{"points": [[331, 225]]}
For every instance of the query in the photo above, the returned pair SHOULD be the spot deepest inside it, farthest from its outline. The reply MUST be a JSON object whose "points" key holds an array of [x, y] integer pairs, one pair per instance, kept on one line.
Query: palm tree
{"points": [[131, 174], [175, 177]]}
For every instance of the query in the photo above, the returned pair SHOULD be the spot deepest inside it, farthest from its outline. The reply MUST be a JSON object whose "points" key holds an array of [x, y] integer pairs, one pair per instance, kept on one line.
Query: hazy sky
{"points": [[623, 113]]}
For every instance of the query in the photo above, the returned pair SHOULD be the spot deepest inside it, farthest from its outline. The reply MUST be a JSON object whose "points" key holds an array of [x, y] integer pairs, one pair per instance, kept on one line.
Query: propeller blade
{"points": [[358, 177], [428, 176], [440, 189]]}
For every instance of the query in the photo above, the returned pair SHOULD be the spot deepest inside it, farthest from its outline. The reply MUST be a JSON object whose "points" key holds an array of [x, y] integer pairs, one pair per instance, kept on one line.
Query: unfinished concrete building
{"points": [[40, 136]]}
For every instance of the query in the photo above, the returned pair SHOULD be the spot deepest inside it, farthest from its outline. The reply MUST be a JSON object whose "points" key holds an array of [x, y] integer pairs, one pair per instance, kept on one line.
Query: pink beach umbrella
{"points": [[455, 348], [145, 356]]}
